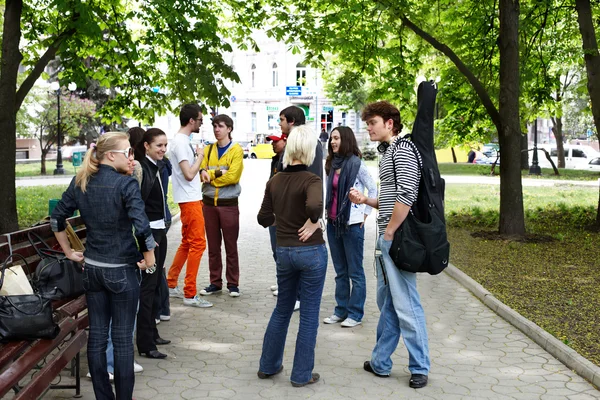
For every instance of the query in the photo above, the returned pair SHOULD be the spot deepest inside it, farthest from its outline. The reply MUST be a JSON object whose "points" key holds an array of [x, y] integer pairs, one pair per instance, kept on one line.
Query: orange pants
{"points": [[193, 244]]}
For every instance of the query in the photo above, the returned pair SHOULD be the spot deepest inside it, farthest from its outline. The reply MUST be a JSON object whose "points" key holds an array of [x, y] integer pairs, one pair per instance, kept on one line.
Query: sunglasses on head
{"points": [[128, 152]]}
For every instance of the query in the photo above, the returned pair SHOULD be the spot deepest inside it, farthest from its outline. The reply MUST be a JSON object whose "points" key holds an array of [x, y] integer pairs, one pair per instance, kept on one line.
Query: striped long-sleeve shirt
{"points": [[408, 174]]}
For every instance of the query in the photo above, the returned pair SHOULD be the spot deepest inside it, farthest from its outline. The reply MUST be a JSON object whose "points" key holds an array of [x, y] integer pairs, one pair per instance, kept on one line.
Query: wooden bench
{"points": [[29, 368]]}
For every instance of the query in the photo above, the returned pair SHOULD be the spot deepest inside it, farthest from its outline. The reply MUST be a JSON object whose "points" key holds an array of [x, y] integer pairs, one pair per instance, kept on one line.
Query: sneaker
{"points": [[176, 292], [273, 288], [297, 305], [276, 292], [157, 321], [350, 323], [197, 301], [234, 291], [334, 319], [417, 381], [111, 377], [210, 289], [165, 317], [137, 367]]}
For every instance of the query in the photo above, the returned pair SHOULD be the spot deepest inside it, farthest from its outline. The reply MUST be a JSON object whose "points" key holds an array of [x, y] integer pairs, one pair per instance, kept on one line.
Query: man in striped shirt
{"points": [[397, 295]]}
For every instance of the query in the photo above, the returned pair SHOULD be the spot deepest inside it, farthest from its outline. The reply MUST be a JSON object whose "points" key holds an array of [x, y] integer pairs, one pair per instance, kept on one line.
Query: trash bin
{"points": [[77, 158], [51, 204]]}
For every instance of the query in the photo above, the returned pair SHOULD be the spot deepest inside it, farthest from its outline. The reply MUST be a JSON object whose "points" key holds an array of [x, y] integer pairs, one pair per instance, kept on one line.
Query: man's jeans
{"points": [[111, 293], [296, 266], [347, 256], [401, 314]]}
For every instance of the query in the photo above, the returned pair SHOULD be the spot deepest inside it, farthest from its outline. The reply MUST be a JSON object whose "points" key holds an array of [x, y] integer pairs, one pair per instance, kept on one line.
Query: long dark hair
{"points": [[348, 146], [148, 137], [136, 135]]}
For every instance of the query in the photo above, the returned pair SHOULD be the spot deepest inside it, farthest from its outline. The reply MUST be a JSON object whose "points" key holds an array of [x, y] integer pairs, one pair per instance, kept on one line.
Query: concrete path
{"points": [[215, 352]]}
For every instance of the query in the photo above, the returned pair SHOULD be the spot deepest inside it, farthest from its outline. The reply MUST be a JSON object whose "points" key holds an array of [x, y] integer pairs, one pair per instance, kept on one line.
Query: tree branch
{"points": [[40, 66], [475, 83]]}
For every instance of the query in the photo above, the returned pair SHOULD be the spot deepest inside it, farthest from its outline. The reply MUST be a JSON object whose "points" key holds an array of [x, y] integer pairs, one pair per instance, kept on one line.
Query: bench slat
{"points": [[40, 349], [45, 376], [10, 351]]}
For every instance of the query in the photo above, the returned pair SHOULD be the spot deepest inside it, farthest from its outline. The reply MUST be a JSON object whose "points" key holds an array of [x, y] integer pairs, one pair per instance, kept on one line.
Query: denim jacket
{"points": [[110, 209]]}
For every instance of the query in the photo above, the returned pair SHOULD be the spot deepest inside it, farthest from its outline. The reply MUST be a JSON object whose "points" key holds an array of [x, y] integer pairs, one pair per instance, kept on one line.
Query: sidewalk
{"points": [[215, 352]]}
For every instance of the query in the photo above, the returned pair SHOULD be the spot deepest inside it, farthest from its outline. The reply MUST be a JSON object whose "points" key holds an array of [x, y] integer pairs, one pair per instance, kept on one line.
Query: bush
{"points": [[368, 153]]}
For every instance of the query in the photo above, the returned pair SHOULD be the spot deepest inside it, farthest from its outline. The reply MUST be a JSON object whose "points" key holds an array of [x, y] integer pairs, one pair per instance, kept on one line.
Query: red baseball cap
{"points": [[277, 136]]}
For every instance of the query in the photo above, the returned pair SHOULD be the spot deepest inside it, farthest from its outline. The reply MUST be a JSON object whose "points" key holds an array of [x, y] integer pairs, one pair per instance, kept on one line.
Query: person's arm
{"points": [[359, 198], [233, 174], [365, 178], [407, 187], [265, 216], [314, 209], [189, 170], [134, 205], [63, 210], [63, 241]]}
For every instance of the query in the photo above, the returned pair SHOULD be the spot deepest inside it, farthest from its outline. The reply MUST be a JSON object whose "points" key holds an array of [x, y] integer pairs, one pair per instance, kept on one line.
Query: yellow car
{"points": [[264, 150]]}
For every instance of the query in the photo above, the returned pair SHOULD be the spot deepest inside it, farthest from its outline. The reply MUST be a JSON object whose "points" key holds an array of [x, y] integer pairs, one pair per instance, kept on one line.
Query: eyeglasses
{"points": [[128, 152], [199, 119]]}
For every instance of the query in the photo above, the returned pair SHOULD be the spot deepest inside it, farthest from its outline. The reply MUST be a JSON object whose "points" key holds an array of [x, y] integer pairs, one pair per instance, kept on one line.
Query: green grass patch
{"points": [[554, 284], [23, 170], [32, 202]]}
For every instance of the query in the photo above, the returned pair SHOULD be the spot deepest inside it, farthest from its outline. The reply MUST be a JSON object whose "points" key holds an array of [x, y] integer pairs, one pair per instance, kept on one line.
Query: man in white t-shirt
{"points": [[187, 194]]}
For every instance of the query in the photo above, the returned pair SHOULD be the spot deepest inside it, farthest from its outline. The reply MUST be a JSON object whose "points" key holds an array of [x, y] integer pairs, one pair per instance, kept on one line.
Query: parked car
{"points": [[594, 164], [263, 150], [67, 151], [576, 156], [245, 147]]}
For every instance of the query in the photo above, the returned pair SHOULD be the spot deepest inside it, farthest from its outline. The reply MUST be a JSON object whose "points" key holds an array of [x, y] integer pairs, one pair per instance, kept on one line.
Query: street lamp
{"points": [[55, 87], [535, 169]]}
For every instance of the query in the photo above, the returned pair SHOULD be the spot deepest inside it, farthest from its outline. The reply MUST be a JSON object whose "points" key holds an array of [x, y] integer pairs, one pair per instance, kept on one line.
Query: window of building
{"points": [[253, 119], [300, 74], [252, 73], [275, 75]]}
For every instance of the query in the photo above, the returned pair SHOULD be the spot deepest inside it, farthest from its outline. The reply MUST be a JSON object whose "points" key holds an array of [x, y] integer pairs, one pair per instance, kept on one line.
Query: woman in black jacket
{"points": [[154, 145]]}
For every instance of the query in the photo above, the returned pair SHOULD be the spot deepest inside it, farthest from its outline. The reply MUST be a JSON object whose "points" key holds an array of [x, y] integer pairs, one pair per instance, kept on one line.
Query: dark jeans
{"points": [[163, 306], [111, 293], [347, 256], [147, 332], [222, 223], [306, 266]]}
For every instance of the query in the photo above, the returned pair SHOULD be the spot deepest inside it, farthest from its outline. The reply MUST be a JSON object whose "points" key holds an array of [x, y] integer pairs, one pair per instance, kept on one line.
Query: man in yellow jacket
{"points": [[221, 170]]}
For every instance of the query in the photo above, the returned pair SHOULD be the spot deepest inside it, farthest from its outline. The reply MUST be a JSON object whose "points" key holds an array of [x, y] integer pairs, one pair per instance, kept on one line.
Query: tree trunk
{"points": [[453, 155], [558, 135], [11, 58], [512, 217], [524, 153], [43, 167]]}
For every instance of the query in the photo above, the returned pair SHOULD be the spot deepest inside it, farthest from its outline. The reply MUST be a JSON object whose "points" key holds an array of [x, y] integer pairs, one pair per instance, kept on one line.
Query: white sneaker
{"points": [[157, 321], [273, 288], [350, 323], [197, 301], [334, 319], [297, 306], [176, 292], [111, 377], [165, 317], [137, 367], [275, 293]]}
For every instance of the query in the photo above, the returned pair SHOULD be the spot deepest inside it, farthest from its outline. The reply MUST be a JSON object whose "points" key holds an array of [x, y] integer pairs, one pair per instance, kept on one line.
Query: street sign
{"points": [[293, 90]]}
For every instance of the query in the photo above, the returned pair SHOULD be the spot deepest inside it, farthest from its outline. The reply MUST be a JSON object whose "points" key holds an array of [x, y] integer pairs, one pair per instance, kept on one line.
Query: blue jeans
{"points": [[347, 256], [111, 293], [401, 314], [306, 266], [110, 355]]}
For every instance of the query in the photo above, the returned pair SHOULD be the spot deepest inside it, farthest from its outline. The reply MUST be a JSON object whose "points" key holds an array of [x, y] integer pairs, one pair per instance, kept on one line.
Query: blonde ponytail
{"points": [[90, 165]]}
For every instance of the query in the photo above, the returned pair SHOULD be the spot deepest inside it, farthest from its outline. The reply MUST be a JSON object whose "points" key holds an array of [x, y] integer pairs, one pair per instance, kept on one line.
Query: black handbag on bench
{"points": [[56, 277], [27, 316]]}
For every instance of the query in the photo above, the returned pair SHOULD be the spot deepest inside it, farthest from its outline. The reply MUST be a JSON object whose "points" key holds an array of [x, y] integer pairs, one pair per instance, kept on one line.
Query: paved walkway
{"points": [[214, 355]]}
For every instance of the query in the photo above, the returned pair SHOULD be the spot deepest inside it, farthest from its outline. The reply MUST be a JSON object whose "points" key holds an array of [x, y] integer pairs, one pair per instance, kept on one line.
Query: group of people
{"points": [[292, 208], [127, 222]]}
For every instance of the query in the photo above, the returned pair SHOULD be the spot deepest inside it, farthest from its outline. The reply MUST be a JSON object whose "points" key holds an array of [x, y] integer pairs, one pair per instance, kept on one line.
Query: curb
{"points": [[552, 345]]}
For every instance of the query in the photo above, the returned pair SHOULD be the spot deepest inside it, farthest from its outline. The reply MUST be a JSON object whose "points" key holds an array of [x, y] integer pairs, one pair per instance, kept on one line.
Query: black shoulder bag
{"points": [[56, 277], [27, 316], [420, 244]]}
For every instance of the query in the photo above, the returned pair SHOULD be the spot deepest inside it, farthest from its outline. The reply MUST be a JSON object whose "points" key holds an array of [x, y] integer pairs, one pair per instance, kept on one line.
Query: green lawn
{"points": [[22, 170], [553, 283]]}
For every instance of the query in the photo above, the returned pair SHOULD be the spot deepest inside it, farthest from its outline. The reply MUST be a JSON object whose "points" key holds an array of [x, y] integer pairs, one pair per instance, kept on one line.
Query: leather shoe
{"points": [[153, 354], [367, 367], [160, 341], [417, 381]]}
